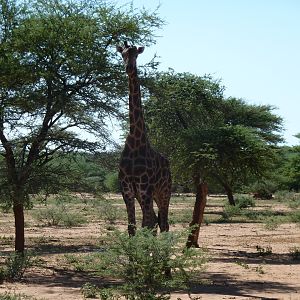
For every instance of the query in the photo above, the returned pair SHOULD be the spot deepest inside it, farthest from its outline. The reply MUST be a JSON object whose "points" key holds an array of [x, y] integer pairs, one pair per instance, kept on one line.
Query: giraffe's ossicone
{"points": [[144, 173]]}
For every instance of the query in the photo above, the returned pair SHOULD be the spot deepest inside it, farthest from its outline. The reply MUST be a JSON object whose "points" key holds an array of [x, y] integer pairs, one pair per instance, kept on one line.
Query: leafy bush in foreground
{"points": [[144, 262], [15, 266], [14, 296]]}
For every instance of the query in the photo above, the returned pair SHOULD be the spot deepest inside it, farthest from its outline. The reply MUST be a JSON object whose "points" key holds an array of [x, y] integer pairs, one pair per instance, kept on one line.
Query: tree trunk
{"points": [[200, 203], [229, 195], [18, 209], [227, 189]]}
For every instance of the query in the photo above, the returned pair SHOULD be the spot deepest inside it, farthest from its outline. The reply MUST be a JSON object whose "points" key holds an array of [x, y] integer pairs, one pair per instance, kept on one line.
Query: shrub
{"points": [[272, 223], [15, 266], [244, 201], [180, 217], [65, 197], [58, 216], [82, 263], [294, 204], [294, 200], [109, 212], [50, 216], [112, 183], [264, 190], [6, 207], [264, 251], [252, 215], [9, 296], [41, 197], [71, 219], [58, 213], [282, 196], [108, 294], [89, 290], [143, 262], [229, 212], [295, 217]]}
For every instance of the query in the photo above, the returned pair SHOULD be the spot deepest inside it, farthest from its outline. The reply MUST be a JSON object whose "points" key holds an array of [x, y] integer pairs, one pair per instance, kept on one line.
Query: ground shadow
{"points": [[51, 249], [226, 285], [232, 256], [48, 248], [67, 279], [219, 284], [214, 283]]}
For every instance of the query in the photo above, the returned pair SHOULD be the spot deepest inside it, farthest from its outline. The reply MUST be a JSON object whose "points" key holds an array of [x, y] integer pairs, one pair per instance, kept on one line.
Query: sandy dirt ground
{"points": [[239, 267]]}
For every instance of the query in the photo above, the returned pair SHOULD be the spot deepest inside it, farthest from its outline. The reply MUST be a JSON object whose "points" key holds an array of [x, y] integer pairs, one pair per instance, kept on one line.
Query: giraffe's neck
{"points": [[136, 118]]}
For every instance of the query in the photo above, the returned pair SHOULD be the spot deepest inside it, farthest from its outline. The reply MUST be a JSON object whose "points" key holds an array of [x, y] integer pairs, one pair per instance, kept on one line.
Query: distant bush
{"points": [[292, 198], [5, 207], [282, 196], [272, 223], [264, 190], [112, 183], [109, 212], [71, 219], [252, 214], [58, 216], [58, 213], [180, 217], [65, 197], [50, 216], [229, 212], [294, 203], [295, 217], [244, 201]]}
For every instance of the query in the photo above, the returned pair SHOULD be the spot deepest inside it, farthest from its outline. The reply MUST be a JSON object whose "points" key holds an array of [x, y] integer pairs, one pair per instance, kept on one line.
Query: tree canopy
{"points": [[208, 135], [60, 81], [291, 170]]}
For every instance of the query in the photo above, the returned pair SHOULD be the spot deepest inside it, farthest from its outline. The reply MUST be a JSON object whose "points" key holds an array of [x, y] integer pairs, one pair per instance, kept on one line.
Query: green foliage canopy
{"points": [[59, 77], [59, 73], [206, 134], [292, 168]]}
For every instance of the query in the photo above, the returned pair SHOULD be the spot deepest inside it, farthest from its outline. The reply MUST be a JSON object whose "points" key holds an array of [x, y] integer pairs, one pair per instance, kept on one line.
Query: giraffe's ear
{"points": [[140, 50], [119, 49]]}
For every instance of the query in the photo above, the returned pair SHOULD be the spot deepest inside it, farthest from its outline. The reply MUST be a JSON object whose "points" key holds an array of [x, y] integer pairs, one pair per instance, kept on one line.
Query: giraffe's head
{"points": [[130, 54]]}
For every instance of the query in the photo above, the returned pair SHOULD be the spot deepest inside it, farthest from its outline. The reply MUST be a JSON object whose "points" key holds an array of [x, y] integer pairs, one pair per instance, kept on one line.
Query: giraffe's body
{"points": [[144, 173]]}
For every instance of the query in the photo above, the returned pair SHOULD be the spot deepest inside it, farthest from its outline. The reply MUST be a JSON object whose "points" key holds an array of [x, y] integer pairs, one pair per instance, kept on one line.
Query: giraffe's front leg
{"points": [[129, 200]]}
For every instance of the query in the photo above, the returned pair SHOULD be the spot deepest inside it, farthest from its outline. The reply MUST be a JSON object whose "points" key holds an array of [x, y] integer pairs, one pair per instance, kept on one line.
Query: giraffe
{"points": [[144, 173]]}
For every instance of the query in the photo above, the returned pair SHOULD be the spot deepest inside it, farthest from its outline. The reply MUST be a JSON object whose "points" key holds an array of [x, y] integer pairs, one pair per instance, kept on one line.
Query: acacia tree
{"points": [[292, 168], [246, 144], [58, 73], [207, 136], [181, 109]]}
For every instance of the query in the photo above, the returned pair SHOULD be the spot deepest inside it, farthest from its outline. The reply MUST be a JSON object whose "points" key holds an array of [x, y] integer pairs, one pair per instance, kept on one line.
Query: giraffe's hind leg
{"points": [[149, 216], [163, 222], [163, 211]]}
